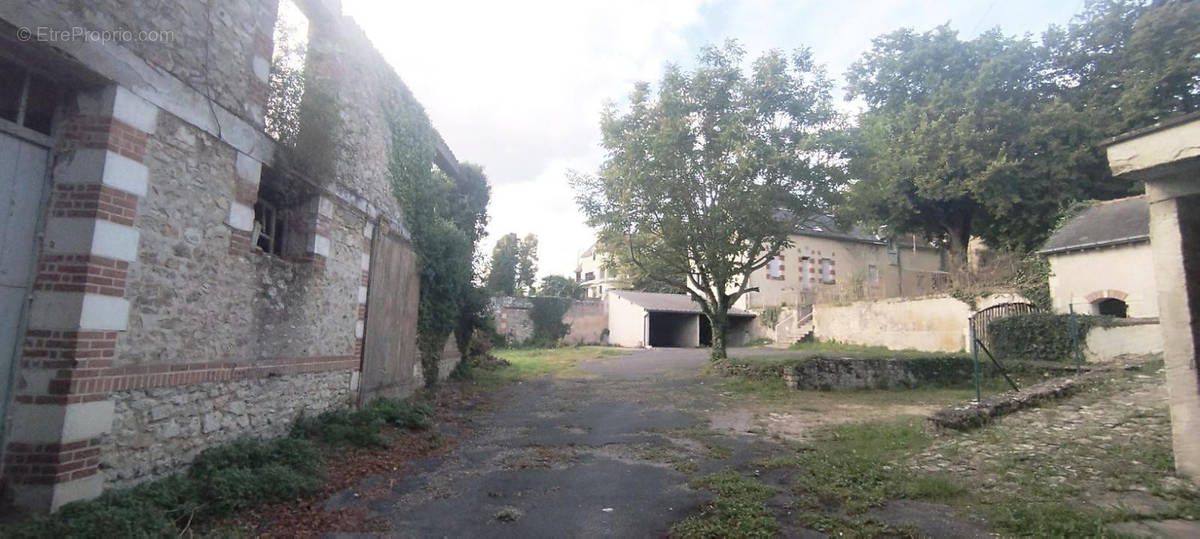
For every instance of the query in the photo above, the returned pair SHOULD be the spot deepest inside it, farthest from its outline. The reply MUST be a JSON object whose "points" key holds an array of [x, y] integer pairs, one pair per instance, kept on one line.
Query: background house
{"points": [[1100, 261], [594, 276]]}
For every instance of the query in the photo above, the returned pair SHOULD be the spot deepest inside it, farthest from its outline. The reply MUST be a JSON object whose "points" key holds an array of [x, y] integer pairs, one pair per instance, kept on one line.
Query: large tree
{"points": [[502, 270], [965, 138], [527, 264], [561, 286], [704, 176]]}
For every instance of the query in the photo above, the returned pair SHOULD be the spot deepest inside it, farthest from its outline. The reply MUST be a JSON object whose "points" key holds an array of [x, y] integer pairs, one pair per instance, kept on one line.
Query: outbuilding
{"points": [[648, 319]]}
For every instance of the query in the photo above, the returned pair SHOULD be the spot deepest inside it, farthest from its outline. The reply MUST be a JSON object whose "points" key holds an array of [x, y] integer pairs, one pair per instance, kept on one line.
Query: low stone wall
{"points": [[158, 431], [513, 318], [1134, 336], [826, 374]]}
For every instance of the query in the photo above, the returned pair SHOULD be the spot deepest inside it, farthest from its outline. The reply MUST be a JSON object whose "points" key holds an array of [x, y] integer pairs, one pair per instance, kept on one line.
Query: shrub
{"points": [[547, 315], [364, 427], [1040, 336]]}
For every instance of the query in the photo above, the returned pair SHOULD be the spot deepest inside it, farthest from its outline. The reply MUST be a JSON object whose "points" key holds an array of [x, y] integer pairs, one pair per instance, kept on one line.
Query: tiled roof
{"points": [[1112, 222]]}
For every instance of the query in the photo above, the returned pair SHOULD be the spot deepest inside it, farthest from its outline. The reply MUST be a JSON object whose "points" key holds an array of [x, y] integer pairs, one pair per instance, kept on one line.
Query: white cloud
{"points": [[518, 86]]}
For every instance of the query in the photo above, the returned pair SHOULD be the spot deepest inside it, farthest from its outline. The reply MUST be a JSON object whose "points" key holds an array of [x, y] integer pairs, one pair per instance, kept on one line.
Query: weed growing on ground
{"points": [[222, 480], [737, 511]]}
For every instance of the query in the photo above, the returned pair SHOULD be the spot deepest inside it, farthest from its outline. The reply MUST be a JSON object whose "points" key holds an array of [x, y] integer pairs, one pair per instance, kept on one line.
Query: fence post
{"points": [[1075, 341], [975, 354]]}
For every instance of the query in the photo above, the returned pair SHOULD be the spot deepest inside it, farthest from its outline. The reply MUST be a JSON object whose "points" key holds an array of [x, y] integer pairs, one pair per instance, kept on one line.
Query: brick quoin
{"points": [[82, 273], [94, 201], [104, 132], [46, 464]]}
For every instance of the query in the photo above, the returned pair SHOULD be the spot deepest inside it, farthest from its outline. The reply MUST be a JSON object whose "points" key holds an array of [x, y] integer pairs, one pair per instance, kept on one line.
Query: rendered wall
{"points": [[626, 322], [1137, 337], [932, 324], [588, 320], [1125, 272]]}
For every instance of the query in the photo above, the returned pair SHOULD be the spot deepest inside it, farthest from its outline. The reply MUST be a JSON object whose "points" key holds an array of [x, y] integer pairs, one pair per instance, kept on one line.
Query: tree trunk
{"points": [[959, 237], [720, 327]]}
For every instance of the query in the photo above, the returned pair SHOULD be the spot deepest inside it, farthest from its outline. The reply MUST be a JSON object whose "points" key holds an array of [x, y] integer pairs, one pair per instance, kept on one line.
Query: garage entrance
{"points": [[674, 330]]}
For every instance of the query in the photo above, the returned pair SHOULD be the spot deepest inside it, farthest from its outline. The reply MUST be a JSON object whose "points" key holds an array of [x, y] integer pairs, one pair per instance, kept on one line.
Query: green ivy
{"points": [[1041, 336], [547, 315]]}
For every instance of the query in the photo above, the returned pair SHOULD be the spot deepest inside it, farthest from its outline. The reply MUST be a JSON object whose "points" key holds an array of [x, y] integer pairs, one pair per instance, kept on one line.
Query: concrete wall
{"points": [[1123, 272], [626, 322], [1135, 337], [933, 324], [588, 320], [907, 272]]}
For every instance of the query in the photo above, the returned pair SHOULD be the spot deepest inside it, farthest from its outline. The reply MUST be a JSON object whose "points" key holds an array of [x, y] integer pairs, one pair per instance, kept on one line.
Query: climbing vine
{"points": [[445, 218]]}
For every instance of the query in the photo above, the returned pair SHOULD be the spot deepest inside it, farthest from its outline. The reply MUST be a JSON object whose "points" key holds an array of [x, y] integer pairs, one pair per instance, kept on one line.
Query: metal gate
{"points": [[980, 320], [390, 334], [22, 191]]}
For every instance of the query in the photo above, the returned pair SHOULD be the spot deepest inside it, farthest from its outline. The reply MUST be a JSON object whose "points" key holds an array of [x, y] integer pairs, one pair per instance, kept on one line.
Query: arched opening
{"points": [[1111, 307]]}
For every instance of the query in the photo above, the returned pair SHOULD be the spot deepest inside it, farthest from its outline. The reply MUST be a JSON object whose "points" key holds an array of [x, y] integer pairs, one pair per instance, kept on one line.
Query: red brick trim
{"points": [[91, 274], [1105, 294], [94, 201], [105, 133], [239, 243], [47, 464]]}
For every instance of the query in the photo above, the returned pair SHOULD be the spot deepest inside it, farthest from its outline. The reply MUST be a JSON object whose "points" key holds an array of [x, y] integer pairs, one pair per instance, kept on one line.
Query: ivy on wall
{"points": [[445, 217], [547, 316], [1041, 336]]}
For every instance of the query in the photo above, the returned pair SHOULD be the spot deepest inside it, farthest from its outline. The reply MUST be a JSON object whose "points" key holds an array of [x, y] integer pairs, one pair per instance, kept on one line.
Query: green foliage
{"points": [[513, 266], [363, 427], [961, 140], [446, 216], [561, 286], [547, 316], [738, 510], [1040, 336], [769, 317], [699, 172]]}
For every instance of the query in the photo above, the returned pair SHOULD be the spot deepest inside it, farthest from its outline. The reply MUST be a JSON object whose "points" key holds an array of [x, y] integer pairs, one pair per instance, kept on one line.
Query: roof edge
{"points": [[1096, 244]]}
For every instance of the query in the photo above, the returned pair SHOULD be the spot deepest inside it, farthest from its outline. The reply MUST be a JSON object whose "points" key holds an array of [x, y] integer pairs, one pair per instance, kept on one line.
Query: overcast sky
{"points": [[518, 86]]}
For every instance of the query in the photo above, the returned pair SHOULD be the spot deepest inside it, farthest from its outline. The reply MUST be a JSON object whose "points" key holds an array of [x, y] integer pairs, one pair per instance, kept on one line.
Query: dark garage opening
{"points": [[673, 330], [705, 331]]}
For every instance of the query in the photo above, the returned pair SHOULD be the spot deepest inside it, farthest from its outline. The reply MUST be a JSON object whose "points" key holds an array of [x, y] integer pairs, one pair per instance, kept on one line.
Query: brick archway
{"points": [[1106, 294]]}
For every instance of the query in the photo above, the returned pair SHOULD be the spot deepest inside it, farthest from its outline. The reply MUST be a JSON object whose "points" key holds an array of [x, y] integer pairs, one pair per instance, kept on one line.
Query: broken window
{"points": [[285, 215], [288, 62], [827, 271], [1111, 307], [26, 98]]}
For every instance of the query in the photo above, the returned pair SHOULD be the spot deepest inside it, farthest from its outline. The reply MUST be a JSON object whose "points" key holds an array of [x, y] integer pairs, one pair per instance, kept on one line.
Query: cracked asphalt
{"points": [[606, 455]]}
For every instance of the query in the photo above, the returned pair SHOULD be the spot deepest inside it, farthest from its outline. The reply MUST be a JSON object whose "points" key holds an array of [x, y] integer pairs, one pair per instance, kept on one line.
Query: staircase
{"points": [[795, 325]]}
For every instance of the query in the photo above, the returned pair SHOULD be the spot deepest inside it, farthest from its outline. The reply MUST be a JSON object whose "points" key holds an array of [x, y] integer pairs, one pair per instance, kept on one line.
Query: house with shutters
{"points": [[177, 271]]}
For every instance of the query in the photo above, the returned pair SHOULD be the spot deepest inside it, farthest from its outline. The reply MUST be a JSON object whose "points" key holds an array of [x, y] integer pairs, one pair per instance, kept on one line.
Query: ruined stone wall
{"points": [[157, 431], [588, 320], [513, 318]]}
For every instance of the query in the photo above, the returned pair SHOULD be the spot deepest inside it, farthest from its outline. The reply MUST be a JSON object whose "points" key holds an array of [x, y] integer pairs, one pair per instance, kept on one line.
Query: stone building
{"points": [[174, 277], [1167, 158], [1100, 261]]}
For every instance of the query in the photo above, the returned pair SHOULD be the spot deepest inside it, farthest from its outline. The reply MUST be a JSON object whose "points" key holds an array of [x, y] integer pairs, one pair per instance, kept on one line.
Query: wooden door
{"points": [[390, 361]]}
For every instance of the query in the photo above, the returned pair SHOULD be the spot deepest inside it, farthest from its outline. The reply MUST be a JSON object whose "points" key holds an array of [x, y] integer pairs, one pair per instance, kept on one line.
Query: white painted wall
{"points": [[1106, 344], [1127, 268], [626, 322]]}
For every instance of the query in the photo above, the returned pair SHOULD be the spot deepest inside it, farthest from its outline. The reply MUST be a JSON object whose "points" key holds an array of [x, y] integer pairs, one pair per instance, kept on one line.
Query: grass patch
{"points": [[737, 511], [527, 363], [226, 479]]}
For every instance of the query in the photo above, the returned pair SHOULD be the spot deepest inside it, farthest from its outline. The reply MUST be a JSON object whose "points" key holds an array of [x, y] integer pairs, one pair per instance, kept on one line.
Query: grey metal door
{"points": [[22, 184]]}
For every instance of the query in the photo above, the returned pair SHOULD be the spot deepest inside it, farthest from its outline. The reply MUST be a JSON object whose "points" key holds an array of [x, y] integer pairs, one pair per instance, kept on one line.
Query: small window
{"points": [[873, 274], [268, 227], [806, 273], [27, 99], [775, 268], [827, 275], [589, 276]]}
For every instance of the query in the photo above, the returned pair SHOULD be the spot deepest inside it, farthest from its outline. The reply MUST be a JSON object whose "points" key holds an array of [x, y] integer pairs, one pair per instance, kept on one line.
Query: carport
{"points": [[638, 319]]}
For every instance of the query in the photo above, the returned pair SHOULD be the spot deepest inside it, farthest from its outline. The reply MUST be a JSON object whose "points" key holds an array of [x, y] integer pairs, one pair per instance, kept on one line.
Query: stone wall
{"points": [[513, 318], [158, 431], [827, 374]]}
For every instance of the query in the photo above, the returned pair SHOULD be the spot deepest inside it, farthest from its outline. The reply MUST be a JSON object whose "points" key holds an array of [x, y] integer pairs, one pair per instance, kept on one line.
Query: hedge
{"points": [[1040, 336]]}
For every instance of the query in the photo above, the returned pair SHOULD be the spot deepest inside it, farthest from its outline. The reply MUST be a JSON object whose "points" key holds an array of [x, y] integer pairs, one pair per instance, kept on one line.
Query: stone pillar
{"points": [[62, 406], [1176, 246]]}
